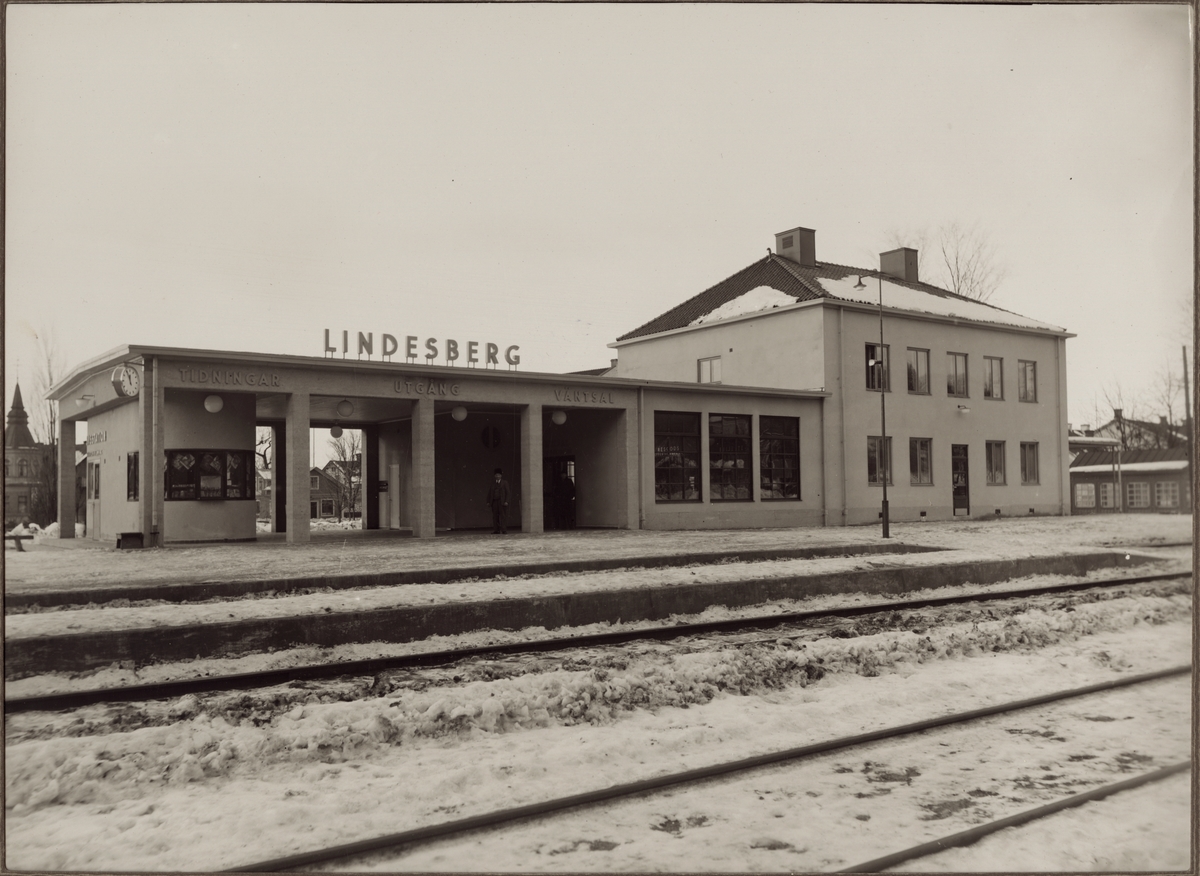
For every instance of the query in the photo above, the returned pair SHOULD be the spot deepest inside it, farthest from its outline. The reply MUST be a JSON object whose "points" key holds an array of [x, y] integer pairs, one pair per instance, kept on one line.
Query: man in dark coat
{"points": [[497, 497]]}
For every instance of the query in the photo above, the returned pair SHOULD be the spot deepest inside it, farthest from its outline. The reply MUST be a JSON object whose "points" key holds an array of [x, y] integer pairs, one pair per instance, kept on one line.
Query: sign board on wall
{"points": [[475, 352]]}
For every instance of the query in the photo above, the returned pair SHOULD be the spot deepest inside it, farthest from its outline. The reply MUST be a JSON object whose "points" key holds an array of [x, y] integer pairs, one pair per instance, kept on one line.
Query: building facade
{"points": [[28, 481], [754, 404], [1146, 481]]}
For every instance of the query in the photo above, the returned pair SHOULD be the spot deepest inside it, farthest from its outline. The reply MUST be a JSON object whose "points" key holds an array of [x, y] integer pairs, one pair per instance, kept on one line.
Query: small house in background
{"points": [[262, 492], [347, 475], [1133, 434], [1108, 481], [322, 494]]}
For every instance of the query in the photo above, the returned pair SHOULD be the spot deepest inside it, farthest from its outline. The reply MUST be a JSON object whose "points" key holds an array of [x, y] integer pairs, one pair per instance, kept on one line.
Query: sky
{"points": [[244, 176]]}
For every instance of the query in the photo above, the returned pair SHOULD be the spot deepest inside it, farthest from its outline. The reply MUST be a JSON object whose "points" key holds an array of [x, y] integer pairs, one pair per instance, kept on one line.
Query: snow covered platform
{"points": [[517, 597]]}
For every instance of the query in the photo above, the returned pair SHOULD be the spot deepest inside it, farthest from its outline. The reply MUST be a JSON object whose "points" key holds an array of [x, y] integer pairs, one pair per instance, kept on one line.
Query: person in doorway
{"points": [[497, 498], [565, 502]]}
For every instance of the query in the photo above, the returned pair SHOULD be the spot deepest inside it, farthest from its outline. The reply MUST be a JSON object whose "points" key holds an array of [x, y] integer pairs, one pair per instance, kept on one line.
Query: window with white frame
{"points": [[956, 374], [327, 507], [993, 377], [1108, 495], [1085, 495], [1026, 381], [1166, 494], [994, 451], [920, 455], [1029, 462], [878, 367], [1137, 494], [709, 370], [314, 482], [879, 460], [918, 371]]}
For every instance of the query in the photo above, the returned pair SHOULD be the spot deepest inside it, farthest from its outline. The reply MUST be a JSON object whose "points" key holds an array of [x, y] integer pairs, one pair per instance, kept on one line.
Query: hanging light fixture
{"points": [[213, 403], [558, 417], [345, 408], [336, 431], [459, 413]]}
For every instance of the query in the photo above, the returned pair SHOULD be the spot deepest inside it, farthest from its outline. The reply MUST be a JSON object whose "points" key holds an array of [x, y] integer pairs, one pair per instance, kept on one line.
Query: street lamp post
{"points": [[885, 458]]}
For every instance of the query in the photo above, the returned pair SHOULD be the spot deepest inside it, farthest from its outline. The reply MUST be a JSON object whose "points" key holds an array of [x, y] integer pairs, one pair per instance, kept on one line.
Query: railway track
{"points": [[412, 838], [370, 667]]}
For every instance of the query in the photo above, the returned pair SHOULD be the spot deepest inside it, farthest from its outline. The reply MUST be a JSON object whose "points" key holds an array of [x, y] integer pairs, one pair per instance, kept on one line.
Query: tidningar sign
{"points": [[390, 345]]}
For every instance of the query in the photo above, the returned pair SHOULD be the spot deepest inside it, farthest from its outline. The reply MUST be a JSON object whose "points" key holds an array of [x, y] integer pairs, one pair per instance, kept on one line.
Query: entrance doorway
{"points": [[558, 492], [958, 477]]}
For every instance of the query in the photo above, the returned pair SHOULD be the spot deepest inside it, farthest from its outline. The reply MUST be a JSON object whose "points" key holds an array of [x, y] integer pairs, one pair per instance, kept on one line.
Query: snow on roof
{"points": [[1133, 467], [901, 297], [757, 299]]}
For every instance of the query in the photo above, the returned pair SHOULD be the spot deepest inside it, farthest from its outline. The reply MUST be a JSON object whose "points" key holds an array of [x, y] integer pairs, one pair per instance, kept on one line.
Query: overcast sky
{"points": [[244, 176]]}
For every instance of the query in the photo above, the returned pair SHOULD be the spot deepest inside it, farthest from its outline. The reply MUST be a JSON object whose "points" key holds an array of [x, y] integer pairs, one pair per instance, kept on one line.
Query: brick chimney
{"points": [[799, 245], [899, 263]]}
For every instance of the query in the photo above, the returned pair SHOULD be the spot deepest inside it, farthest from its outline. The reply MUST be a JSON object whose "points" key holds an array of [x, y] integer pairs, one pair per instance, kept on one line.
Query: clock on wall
{"points": [[126, 380]]}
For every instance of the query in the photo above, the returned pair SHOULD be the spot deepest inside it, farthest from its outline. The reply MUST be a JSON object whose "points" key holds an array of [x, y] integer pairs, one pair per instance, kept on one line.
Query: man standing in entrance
{"points": [[497, 497]]}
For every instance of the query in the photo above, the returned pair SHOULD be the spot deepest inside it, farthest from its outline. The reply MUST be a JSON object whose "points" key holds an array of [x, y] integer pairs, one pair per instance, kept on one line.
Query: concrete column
{"points": [[66, 478], [369, 477], [531, 469], [297, 468], [278, 478], [423, 475], [152, 455]]}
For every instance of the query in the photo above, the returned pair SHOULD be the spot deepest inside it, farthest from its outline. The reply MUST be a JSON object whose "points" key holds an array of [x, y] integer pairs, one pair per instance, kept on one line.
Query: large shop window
{"points": [[729, 458], [779, 457], [676, 456], [209, 474]]}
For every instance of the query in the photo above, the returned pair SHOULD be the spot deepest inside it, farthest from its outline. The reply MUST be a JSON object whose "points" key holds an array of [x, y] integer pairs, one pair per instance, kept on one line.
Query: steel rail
{"points": [[370, 666], [974, 834], [534, 810]]}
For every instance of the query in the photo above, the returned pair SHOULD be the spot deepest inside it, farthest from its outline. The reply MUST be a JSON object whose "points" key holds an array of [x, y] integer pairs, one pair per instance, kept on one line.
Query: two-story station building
{"points": [[756, 403]]}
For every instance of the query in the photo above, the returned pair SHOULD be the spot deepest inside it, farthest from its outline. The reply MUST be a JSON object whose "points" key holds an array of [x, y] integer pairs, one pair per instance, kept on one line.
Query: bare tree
{"points": [[264, 446], [345, 467], [964, 260], [43, 421]]}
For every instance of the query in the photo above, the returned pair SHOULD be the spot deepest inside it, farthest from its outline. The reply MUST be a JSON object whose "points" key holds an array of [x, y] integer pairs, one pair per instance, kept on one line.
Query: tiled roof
{"points": [[1129, 457], [802, 283]]}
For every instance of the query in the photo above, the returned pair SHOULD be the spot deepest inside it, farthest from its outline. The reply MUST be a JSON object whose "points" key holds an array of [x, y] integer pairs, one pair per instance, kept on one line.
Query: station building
{"points": [[756, 403]]}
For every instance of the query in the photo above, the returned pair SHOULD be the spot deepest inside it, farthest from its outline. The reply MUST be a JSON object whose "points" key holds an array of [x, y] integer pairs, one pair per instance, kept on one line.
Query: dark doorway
{"points": [[558, 492], [958, 477]]}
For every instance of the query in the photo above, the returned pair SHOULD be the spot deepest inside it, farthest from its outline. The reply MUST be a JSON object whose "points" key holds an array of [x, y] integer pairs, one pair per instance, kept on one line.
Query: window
{"points": [[327, 507], [729, 460], [1108, 495], [22, 503], [1137, 494], [22, 468], [956, 374], [779, 457], [918, 371], [1029, 462], [993, 377], [710, 369], [1027, 381], [878, 366], [96, 491], [208, 474], [314, 482], [995, 463], [131, 477], [676, 457], [920, 454], [879, 464], [1166, 494], [1085, 495]]}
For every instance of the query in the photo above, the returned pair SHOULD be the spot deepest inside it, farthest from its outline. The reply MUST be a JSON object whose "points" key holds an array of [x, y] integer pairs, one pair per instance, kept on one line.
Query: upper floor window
{"points": [[956, 374], [22, 468], [918, 371], [1027, 381], [878, 376], [709, 370], [993, 377], [314, 482]]}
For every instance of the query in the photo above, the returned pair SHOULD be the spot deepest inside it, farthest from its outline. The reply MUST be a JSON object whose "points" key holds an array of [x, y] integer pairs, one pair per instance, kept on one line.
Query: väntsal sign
{"points": [[476, 352]]}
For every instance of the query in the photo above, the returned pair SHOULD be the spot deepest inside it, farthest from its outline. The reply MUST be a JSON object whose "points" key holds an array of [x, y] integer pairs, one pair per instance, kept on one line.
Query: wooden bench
{"points": [[18, 539]]}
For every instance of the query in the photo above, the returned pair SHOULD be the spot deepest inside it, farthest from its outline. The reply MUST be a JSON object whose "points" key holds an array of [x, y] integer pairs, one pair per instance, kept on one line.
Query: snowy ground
{"points": [[200, 792]]}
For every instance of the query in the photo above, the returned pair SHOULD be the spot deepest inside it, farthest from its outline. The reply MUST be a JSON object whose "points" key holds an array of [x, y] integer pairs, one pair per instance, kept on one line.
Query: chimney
{"points": [[900, 263], [1117, 414], [799, 245]]}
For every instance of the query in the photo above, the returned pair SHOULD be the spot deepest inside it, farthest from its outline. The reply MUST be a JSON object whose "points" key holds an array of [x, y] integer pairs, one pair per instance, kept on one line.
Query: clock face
{"points": [[126, 381]]}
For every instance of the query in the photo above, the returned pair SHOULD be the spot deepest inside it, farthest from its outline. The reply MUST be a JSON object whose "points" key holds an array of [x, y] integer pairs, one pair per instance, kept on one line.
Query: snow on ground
{"points": [[200, 794], [51, 564]]}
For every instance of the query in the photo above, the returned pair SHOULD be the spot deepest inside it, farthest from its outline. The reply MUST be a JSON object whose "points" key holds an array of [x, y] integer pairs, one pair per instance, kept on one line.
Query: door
{"points": [[558, 492], [92, 524], [958, 477], [394, 492]]}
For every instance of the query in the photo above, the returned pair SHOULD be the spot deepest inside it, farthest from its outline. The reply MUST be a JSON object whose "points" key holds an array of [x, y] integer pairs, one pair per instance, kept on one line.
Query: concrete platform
{"points": [[25, 656]]}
